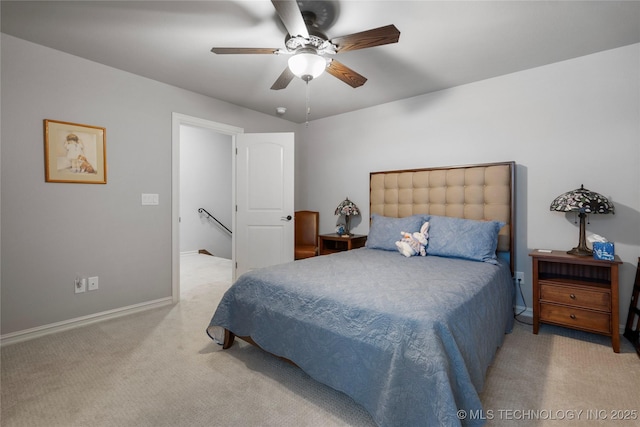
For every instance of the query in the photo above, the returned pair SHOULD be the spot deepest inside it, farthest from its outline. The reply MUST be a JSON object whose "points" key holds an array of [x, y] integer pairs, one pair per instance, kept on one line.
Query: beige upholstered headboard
{"points": [[480, 192]]}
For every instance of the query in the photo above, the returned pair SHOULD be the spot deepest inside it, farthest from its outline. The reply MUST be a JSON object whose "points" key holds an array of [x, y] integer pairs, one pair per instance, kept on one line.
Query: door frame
{"points": [[178, 119]]}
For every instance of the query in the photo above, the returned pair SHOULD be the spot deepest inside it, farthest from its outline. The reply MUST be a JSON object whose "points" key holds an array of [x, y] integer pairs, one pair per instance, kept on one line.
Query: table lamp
{"points": [[582, 202], [347, 208]]}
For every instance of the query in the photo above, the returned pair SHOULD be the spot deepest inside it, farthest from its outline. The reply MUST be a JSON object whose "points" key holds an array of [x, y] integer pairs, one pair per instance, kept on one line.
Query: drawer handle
{"points": [[572, 296], [573, 316]]}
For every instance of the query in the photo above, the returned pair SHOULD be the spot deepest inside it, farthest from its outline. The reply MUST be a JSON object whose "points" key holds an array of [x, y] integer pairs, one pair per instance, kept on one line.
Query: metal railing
{"points": [[203, 210]]}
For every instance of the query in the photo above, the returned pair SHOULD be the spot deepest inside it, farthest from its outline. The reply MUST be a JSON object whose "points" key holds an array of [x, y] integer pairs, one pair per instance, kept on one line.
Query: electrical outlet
{"points": [[519, 278], [80, 284], [92, 284]]}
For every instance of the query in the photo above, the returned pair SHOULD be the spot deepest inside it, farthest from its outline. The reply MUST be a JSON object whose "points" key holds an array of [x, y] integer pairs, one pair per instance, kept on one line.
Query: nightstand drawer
{"points": [[576, 318], [593, 299]]}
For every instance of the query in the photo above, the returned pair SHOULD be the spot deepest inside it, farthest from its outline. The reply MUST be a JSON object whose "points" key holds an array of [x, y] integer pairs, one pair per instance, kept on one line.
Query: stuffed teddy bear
{"points": [[414, 243]]}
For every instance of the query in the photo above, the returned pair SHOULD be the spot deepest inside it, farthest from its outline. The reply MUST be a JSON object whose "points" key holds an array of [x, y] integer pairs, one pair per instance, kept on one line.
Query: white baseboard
{"points": [[39, 331]]}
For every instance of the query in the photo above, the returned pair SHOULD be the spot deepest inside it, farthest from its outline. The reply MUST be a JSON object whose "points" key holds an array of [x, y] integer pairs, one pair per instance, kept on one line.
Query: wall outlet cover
{"points": [[80, 285], [92, 284]]}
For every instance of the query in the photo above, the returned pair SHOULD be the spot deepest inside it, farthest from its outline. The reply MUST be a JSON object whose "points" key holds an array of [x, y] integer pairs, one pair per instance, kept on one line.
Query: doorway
{"points": [[205, 191], [225, 132]]}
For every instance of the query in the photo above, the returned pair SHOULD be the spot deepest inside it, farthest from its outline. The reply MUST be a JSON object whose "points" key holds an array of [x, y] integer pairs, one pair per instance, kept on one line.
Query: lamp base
{"points": [[347, 225], [578, 251], [581, 249]]}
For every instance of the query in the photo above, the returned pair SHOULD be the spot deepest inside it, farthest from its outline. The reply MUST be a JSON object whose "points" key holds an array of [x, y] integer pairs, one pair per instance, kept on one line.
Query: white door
{"points": [[264, 229]]}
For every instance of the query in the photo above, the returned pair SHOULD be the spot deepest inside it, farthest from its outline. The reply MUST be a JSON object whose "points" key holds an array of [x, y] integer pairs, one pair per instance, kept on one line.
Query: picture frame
{"points": [[74, 153]]}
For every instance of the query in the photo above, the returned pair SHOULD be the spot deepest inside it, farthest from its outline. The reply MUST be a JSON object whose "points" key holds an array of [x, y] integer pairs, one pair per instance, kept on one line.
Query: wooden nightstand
{"points": [[330, 243], [576, 292]]}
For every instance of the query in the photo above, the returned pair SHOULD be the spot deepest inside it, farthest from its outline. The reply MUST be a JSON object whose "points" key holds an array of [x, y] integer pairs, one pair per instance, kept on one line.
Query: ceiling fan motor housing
{"points": [[318, 42]]}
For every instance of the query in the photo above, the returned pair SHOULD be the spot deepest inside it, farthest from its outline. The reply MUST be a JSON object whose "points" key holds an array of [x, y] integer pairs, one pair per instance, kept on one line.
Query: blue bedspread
{"points": [[410, 339]]}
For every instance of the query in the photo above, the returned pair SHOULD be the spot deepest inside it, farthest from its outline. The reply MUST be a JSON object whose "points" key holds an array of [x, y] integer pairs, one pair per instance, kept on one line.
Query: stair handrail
{"points": [[201, 210]]}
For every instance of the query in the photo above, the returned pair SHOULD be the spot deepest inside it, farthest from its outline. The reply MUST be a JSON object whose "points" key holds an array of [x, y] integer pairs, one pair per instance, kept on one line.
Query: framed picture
{"points": [[74, 153]]}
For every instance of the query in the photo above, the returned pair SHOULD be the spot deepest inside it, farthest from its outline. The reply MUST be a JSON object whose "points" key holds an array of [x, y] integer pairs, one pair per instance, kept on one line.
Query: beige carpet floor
{"points": [[159, 368]]}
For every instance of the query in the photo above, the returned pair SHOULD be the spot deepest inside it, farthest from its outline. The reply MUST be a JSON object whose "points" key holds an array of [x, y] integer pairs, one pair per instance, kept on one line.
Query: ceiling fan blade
{"points": [[345, 74], [291, 17], [370, 38], [231, 50], [284, 80]]}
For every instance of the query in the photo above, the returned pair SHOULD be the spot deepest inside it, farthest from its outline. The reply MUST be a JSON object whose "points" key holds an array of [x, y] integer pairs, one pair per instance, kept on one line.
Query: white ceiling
{"points": [[442, 44]]}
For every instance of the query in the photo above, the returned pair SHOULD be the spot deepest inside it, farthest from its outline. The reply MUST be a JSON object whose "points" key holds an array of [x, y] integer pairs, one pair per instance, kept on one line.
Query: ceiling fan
{"points": [[311, 49]]}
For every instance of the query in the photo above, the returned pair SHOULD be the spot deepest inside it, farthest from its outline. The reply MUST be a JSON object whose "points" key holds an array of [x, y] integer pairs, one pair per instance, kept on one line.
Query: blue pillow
{"points": [[385, 231], [463, 238]]}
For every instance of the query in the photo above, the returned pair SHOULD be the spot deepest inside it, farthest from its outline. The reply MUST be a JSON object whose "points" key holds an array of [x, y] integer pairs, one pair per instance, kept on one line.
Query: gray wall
{"points": [[566, 124], [205, 182], [51, 231]]}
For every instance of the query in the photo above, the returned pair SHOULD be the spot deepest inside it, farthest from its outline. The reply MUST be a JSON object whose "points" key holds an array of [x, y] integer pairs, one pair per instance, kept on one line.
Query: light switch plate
{"points": [[150, 199]]}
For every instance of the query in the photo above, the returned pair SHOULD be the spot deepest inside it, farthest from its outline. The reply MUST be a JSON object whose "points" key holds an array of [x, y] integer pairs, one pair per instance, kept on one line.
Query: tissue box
{"points": [[603, 250]]}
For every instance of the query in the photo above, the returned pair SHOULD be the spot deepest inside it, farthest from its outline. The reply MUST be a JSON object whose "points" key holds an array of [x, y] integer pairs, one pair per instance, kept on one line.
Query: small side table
{"points": [[331, 243], [576, 292]]}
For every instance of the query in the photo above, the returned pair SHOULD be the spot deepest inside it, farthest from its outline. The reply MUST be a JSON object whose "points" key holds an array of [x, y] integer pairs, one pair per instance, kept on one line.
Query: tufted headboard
{"points": [[480, 192]]}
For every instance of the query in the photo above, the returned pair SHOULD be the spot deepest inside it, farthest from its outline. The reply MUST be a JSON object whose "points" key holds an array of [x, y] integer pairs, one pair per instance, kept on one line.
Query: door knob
{"points": [[286, 218]]}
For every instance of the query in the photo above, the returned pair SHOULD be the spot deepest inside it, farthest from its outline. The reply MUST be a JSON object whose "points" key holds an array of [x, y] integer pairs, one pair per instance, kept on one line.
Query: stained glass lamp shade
{"points": [[347, 208], [582, 202]]}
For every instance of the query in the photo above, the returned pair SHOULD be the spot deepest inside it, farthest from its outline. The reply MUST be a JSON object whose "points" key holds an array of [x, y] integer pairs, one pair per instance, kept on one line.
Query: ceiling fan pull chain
{"points": [[307, 105]]}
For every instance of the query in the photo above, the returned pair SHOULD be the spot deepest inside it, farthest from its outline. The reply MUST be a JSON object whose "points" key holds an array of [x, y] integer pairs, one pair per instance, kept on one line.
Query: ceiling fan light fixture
{"points": [[307, 64]]}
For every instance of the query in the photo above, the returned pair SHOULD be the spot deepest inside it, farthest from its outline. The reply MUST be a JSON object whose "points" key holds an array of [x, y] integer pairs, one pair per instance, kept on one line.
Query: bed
{"points": [[410, 338]]}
